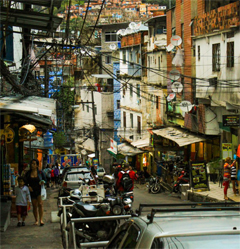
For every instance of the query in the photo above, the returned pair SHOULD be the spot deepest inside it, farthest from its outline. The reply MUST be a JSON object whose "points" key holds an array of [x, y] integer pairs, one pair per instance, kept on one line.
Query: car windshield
{"points": [[77, 176], [222, 241]]}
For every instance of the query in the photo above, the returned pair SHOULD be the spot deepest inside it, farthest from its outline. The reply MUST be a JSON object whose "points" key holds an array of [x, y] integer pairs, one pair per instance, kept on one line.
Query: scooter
{"points": [[182, 179]]}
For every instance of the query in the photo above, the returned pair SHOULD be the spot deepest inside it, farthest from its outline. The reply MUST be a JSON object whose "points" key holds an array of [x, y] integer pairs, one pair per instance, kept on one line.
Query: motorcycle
{"points": [[153, 185], [127, 200], [182, 179], [100, 230]]}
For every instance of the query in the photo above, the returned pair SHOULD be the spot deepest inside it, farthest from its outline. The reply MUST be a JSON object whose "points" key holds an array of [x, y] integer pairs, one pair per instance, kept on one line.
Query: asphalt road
{"points": [[142, 196]]}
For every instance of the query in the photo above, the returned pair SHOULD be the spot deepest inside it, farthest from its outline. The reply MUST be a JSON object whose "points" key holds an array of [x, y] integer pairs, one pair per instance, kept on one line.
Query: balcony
{"points": [[222, 18]]}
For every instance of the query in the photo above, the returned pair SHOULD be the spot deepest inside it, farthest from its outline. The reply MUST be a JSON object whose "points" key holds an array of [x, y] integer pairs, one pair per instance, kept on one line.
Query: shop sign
{"points": [[226, 150], [199, 176], [231, 120], [7, 134]]}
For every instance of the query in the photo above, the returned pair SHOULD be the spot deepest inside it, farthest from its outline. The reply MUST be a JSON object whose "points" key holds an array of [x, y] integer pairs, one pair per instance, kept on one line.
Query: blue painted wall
{"points": [[116, 97]]}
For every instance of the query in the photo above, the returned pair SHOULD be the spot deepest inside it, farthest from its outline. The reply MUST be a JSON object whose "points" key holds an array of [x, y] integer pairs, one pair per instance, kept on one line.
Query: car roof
{"points": [[189, 223]]}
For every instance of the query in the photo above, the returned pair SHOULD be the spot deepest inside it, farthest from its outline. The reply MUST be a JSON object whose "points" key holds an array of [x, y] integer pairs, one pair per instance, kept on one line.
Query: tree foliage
{"points": [[59, 139]]}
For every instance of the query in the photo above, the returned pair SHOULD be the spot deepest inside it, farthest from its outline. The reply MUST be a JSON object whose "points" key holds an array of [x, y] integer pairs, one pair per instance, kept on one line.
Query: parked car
{"points": [[172, 226], [101, 172], [74, 177]]}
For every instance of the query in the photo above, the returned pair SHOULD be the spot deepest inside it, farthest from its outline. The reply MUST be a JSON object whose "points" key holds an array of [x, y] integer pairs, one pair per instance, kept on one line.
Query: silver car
{"points": [[177, 226], [74, 177]]}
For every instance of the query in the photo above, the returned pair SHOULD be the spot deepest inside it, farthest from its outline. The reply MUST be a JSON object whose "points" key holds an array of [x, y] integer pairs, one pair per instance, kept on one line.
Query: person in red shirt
{"points": [[120, 174], [132, 175]]}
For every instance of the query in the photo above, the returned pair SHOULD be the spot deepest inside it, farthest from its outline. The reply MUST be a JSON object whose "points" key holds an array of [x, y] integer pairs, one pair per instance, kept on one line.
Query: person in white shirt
{"points": [[23, 200]]}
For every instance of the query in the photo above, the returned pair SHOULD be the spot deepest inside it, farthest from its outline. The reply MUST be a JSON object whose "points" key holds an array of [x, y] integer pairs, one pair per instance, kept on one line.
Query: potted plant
{"points": [[215, 169]]}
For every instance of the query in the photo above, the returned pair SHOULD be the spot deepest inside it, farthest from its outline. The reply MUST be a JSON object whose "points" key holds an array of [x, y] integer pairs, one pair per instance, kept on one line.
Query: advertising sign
{"points": [[113, 145], [231, 120], [199, 176], [226, 150]]}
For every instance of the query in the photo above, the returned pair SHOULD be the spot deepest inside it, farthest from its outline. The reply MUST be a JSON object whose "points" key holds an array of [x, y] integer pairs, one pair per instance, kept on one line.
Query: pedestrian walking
{"points": [[47, 172], [23, 200], [132, 175], [34, 179], [52, 177], [56, 174], [226, 176], [234, 168]]}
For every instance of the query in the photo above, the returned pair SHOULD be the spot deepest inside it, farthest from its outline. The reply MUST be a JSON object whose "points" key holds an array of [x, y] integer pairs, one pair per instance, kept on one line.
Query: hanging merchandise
{"points": [[178, 59]]}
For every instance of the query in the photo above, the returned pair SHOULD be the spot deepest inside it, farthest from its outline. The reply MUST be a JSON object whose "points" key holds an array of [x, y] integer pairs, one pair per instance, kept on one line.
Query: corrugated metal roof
{"points": [[29, 19], [47, 3], [128, 150], [141, 143], [178, 136]]}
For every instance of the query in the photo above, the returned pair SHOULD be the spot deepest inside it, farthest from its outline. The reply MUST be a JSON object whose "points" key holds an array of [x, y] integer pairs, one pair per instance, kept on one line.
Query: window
{"points": [[216, 57], [173, 31], [131, 89], [118, 104], [159, 62], [199, 53], [111, 37], [157, 102], [139, 125], [131, 120], [132, 237], [95, 109], [108, 59], [124, 57], [138, 90], [182, 34], [124, 120], [87, 108], [131, 57], [83, 106], [230, 54]]}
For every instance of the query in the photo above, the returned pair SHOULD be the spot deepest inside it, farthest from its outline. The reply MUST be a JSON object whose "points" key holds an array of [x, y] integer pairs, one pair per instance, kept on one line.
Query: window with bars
{"points": [[216, 59], [111, 37], [230, 54]]}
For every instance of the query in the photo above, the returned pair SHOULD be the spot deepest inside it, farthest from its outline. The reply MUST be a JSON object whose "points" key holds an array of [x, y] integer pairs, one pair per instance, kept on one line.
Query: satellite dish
{"points": [[123, 32], [186, 106], [138, 25], [119, 32], [177, 87], [171, 97], [169, 48], [176, 40], [128, 31], [174, 75], [132, 25], [112, 46]]}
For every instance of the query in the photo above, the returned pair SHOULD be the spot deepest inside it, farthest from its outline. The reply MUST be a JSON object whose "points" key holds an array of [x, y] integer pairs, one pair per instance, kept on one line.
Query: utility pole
{"points": [[95, 129]]}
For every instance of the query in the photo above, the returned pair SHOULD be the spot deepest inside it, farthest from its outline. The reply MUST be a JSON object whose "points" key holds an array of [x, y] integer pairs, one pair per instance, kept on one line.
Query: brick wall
{"points": [[130, 40], [201, 118]]}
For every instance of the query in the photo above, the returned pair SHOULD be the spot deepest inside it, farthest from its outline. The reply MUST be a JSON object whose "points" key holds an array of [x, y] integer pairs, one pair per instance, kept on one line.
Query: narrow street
{"points": [[49, 235]]}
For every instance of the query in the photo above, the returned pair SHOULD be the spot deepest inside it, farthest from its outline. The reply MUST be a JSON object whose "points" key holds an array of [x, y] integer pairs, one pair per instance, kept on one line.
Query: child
{"points": [[23, 200]]}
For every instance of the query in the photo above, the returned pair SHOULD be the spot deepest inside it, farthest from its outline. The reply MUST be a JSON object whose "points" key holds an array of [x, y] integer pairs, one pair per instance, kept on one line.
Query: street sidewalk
{"points": [[215, 193], [31, 236]]}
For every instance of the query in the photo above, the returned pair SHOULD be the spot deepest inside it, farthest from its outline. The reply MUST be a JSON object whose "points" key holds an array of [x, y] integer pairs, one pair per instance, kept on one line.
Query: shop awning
{"points": [[141, 143], [87, 145], [128, 150], [178, 136]]}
